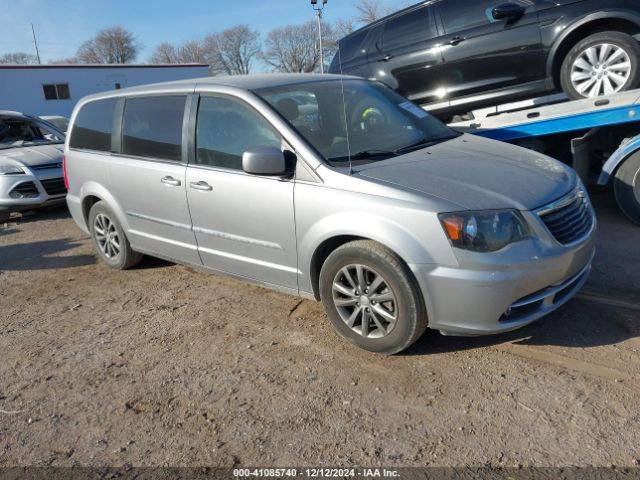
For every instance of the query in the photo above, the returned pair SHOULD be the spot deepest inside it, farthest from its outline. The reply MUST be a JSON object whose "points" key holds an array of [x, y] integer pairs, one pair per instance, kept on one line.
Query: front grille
{"points": [[24, 190], [47, 166], [571, 219], [54, 186]]}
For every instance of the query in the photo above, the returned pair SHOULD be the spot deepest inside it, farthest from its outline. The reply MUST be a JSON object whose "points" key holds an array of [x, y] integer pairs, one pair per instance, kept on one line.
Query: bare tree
{"points": [[370, 10], [193, 52], [111, 45], [165, 53], [294, 48], [19, 58], [232, 51], [63, 61], [342, 28]]}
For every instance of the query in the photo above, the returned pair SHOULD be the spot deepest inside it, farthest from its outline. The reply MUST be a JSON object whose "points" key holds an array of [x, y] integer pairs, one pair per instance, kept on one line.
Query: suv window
{"points": [[93, 126], [408, 28], [351, 47], [152, 127], [226, 129], [459, 15]]}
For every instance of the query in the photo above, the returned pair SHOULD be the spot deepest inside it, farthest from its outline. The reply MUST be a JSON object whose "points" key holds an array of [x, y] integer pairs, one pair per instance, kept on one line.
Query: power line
{"points": [[35, 41]]}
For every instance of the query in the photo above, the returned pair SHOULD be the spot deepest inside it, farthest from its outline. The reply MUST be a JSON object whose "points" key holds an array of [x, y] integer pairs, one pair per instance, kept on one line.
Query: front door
{"points": [[244, 224], [482, 54]]}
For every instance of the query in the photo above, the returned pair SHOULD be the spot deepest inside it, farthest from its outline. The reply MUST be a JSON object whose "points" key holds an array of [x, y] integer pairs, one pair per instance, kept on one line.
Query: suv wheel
{"points": [[601, 64], [627, 187], [371, 297], [109, 238]]}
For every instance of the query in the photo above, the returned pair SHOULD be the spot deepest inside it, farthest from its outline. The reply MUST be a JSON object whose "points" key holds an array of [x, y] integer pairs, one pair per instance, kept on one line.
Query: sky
{"points": [[62, 25]]}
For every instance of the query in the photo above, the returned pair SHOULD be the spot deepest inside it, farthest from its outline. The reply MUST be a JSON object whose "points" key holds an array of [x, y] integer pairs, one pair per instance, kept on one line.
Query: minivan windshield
{"points": [[372, 124], [18, 132]]}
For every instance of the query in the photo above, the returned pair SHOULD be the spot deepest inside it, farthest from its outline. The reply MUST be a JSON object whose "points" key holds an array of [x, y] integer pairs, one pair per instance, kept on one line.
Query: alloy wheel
{"points": [[364, 301], [601, 69], [106, 236]]}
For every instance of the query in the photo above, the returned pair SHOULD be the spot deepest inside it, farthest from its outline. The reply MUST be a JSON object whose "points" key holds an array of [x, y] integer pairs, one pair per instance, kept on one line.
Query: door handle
{"points": [[456, 40], [172, 182], [202, 186], [386, 58]]}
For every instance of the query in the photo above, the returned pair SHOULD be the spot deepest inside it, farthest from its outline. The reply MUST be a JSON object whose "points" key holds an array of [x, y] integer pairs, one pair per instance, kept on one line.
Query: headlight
{"points": [[487, 231], [11, 170]]}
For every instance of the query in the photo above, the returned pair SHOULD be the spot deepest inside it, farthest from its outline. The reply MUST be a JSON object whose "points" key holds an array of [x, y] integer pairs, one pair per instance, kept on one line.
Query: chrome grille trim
{"points": [[46, 166], [570, 219]]}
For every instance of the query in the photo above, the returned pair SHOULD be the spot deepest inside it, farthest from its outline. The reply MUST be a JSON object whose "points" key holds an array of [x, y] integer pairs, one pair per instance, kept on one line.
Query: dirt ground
{"points": [[163, 365]]}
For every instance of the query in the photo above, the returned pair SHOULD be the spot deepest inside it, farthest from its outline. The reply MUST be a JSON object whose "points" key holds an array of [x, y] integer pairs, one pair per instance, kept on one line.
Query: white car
{"points": [[31, 153], [58, 121]]}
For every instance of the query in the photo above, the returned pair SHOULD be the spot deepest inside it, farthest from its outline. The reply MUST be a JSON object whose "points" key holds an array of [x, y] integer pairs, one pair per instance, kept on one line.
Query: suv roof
{"points": [[384, 19]]}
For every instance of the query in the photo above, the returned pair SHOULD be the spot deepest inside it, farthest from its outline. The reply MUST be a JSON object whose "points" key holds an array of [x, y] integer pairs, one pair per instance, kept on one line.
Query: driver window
{"points": [[226, 128]]}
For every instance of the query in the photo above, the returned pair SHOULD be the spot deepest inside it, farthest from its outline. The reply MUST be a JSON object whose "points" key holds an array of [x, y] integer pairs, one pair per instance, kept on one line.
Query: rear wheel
{"points": [[627, 187], [602, 64], [371, 297], [109, 238]]}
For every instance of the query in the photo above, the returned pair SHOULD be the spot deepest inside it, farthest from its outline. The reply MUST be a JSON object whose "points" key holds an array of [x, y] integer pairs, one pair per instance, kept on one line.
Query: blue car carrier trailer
{"points": [[598, 137]]}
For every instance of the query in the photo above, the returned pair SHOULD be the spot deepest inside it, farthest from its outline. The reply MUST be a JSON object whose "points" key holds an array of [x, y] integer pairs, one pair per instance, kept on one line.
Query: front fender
{"points": [[618, 158], [420, 245]]}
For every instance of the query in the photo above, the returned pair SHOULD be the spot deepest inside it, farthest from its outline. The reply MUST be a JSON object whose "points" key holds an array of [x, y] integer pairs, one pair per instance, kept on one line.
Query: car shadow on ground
{"points": [[581, 323], [151, 263], [43, 255], [51, 213]]}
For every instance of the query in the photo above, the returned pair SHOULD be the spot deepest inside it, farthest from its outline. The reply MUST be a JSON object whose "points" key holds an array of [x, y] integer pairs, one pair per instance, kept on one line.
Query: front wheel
{"points": [[371, 297], [602, 64], [109, 238], [627, 187]]}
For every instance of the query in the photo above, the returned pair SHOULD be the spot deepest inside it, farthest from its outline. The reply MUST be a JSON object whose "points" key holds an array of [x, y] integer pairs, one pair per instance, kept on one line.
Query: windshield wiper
{"points": [[364, 155], [423, 143]]}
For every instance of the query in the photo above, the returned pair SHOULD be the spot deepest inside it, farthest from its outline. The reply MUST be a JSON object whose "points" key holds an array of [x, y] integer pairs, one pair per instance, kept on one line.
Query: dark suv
{"points": [[453, 56]]}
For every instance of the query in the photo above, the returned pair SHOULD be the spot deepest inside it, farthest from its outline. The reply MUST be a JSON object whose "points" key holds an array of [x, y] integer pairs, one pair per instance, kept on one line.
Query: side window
{"points": [[152, 127], [411, 27], [459, 15], [226, 128], [93, 125], [351, 48]]}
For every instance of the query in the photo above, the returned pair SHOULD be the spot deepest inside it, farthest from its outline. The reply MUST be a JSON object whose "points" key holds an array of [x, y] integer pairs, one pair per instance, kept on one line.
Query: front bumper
{"points": [[31, 190], [503, 291]]}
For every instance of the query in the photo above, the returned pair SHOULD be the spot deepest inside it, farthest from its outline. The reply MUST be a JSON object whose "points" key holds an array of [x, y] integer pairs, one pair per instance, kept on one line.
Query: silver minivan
{"points": [[333, 188]]}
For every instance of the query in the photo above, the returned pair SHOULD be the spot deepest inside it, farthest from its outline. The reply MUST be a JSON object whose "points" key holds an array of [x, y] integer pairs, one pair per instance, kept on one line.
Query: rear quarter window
{"points": [[93, 126]]}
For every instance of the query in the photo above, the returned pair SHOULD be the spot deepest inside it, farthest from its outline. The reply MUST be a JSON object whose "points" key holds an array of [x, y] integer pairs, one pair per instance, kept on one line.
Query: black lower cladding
{"points": [[54, 186]]}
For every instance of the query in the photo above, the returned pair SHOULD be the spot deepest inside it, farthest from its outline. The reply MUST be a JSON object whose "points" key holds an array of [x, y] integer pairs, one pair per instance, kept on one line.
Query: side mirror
{"points": [[508, 11], [267, 161]]}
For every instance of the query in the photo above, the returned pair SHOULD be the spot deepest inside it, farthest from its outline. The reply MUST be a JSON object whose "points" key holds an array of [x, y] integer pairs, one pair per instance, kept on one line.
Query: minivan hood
{"points": [[477, 174], [32, 156]]}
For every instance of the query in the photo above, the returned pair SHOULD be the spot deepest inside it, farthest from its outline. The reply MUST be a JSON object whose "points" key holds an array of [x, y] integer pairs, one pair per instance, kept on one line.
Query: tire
{"points": [[118, 256], [398, 283], [612, 74], [4, 216], [627, 187]]}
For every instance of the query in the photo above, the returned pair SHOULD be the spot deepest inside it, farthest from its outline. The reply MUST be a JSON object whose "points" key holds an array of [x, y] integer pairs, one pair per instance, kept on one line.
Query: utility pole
{"points": [[35, 41], [318, 9]]}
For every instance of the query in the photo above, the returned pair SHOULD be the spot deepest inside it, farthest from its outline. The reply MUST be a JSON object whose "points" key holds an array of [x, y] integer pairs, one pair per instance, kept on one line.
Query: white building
{"points": [[55, 89]]}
